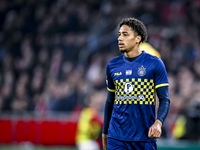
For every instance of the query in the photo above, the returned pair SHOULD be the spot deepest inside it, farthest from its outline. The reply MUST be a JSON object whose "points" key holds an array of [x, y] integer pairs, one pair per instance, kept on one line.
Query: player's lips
{"points": [[121, 44]]}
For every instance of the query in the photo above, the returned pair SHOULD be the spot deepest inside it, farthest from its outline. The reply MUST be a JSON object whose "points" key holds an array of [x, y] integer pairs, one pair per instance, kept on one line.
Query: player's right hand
{"points": [[104, 140], [155, 129]]}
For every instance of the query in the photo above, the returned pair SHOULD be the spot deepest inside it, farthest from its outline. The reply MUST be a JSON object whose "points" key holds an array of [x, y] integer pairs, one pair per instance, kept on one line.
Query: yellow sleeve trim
{"points": [[111, 90], [160, 85]]}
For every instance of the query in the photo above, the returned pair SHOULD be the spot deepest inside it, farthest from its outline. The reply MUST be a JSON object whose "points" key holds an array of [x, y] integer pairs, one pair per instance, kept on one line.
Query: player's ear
{"points": [[138, 38]]}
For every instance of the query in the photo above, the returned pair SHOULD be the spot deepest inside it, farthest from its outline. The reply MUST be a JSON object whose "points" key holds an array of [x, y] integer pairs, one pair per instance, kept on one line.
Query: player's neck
{"points": [[133, 53]]}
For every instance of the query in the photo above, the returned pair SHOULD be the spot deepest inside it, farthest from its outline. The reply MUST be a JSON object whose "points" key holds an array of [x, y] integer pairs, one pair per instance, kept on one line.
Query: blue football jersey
{"points": [[134, 84]]}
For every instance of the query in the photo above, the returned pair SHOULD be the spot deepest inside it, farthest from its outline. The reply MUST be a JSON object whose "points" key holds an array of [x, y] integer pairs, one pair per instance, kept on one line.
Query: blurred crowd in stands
{"points": [[53, 53]]}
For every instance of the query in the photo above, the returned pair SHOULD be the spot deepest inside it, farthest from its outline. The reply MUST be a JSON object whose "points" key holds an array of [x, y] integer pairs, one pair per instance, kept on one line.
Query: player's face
{"points": [[127, 39]]}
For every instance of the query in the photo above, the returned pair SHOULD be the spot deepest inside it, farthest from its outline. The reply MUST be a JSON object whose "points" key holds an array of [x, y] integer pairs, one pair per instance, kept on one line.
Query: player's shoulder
{"points": [[152, 58], [116, 60]]}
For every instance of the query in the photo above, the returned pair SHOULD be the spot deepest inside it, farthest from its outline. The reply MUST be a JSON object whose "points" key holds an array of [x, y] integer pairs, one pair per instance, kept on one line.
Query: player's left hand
{"points": [[155, 129]]}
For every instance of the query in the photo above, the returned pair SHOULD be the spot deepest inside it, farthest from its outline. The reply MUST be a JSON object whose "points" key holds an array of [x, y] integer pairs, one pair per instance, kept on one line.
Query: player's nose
{"points": [[120, 38]]}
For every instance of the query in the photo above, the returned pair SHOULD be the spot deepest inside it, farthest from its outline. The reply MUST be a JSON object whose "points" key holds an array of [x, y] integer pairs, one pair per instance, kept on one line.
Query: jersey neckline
{"points": [[124, 58]]}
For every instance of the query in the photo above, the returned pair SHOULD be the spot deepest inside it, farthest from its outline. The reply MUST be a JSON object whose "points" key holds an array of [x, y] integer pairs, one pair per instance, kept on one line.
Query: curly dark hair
{"points": [[137, 26]]}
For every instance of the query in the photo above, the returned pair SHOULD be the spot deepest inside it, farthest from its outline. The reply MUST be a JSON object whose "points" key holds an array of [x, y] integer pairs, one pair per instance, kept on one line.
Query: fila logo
{"points": [[118, 74]]}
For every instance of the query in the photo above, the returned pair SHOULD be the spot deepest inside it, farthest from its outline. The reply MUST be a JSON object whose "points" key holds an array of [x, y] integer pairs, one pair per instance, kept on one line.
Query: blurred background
{"points": [[53, 57]]}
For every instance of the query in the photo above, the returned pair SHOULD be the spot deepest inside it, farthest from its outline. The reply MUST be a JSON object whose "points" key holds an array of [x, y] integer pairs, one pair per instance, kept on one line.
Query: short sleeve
{"points": [[109, 80], [160, 77]]}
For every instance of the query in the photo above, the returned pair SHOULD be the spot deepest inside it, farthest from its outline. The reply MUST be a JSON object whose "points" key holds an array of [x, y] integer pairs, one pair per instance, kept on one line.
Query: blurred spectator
{"points": [[41, 103], [187, 125], [90, 123]]}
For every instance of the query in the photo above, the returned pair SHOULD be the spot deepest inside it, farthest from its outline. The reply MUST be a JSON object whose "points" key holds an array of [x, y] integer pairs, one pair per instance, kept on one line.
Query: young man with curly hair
{"points": [[133, 78]]}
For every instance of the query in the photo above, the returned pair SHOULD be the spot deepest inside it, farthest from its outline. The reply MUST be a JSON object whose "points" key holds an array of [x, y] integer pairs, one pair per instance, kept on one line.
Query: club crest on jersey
{"points": [[141, 71], [128, 72]]}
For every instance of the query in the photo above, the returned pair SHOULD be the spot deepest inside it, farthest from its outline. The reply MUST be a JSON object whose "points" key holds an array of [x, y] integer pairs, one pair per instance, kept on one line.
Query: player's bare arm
{"points": [[104, 140]]}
